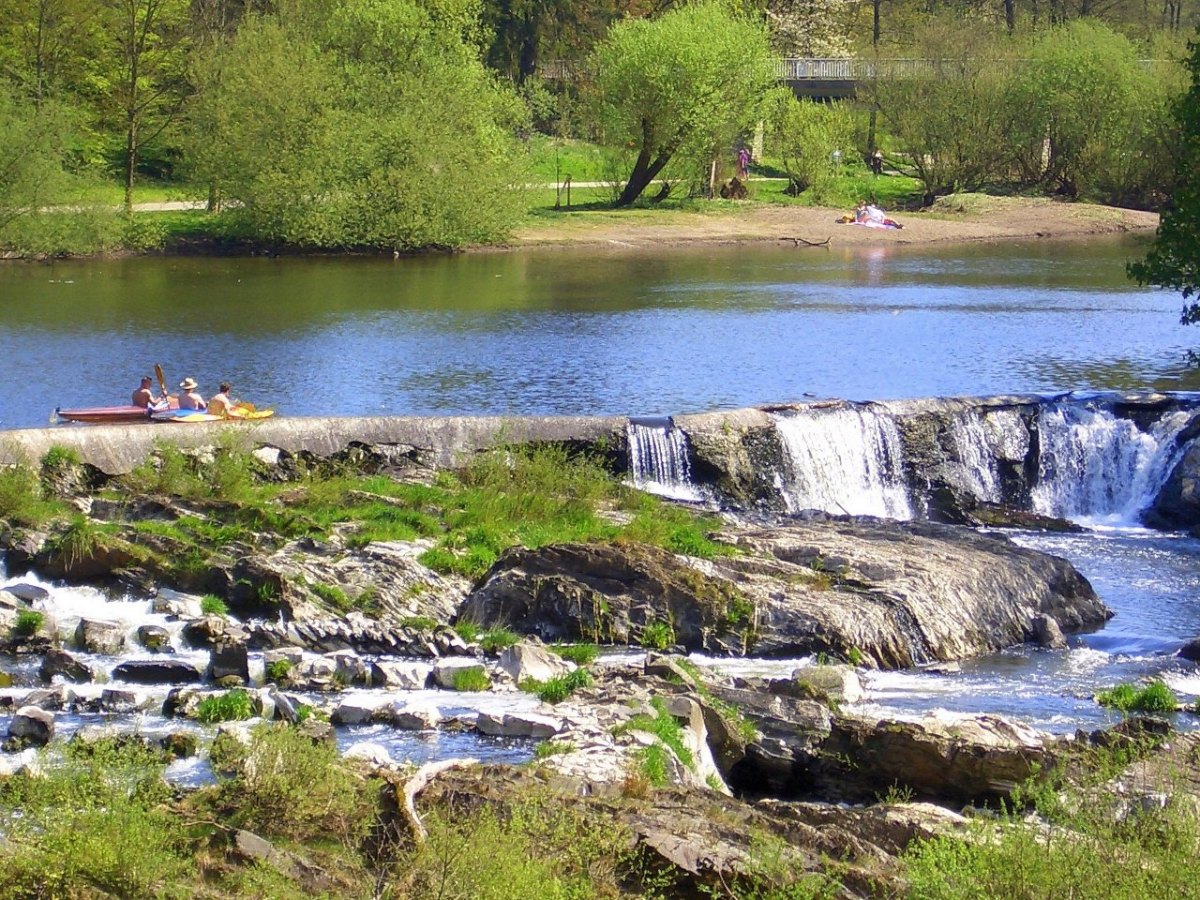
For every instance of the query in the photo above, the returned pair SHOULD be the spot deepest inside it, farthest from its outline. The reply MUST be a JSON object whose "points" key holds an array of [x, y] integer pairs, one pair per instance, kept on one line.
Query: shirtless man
{"points": [[144, 396], [190, 398], [220, 403]]}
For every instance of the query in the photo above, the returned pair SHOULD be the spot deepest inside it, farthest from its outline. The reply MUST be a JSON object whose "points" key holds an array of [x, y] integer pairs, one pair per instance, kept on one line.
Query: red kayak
{"points": [[104, 415]]}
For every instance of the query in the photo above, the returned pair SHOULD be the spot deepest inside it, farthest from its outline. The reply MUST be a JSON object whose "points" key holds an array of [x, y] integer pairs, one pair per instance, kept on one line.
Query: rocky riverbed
{"points": [[260, 605]]}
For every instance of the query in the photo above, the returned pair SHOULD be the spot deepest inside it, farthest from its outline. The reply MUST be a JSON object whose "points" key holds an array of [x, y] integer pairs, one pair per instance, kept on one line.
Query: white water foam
{"points": [[979, 439], [1097, 468], [658, 461], [846, 461]]}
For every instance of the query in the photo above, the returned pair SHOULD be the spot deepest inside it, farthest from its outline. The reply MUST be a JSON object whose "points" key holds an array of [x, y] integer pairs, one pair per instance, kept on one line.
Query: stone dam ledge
{"points": [[441, 440]]}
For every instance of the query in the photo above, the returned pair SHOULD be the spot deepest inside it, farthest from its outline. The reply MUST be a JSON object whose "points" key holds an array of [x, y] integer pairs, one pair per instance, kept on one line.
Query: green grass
{"points": [[580, 654], [497, 639], [230, 706], [657, 636], [27, 623], [1154, 697], [663, 726], [559, 688], [212, 605], [471, 679]]}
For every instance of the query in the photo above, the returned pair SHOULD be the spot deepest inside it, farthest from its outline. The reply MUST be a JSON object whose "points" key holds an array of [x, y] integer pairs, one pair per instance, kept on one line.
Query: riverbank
{"points": [[954, 219]]}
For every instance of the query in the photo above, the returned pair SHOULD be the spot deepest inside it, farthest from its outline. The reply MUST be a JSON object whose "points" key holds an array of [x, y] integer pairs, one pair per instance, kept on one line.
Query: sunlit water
{"points": [[588, 332]]}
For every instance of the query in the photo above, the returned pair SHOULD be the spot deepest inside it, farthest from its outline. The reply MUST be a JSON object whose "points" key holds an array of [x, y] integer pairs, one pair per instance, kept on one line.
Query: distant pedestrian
{"points": [[877, 161], [743, 164]]}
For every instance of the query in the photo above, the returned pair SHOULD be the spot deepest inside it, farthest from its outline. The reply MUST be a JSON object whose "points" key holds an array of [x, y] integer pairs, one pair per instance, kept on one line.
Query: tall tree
{"points": [[145, 72], [683, 82], [1174, 259]]}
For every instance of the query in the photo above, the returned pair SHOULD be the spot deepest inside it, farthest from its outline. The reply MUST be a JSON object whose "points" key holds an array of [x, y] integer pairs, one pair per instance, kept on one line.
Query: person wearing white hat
{"points": [[190, 398]]}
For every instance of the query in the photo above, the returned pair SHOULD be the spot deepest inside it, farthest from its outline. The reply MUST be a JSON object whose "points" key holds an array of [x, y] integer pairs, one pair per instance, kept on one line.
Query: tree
{"points": [[360, 123], [682, 83], [1174, 259], [807, 134]]}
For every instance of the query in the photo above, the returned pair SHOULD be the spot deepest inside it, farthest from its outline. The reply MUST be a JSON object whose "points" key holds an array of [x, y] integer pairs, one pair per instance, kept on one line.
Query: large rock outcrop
{"points": [[887, 593]]}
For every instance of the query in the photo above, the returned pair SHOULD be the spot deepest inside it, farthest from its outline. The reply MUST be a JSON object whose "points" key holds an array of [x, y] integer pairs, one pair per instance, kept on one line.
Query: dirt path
{"points": [[955, 219]]}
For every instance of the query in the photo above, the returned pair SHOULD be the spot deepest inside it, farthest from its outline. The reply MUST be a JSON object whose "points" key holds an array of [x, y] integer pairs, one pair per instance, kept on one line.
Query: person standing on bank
{"points": [[190, 398], [743, 164]]}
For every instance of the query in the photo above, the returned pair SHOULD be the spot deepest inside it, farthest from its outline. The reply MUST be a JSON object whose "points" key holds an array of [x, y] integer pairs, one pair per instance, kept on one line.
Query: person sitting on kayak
{"points": [[220, 403], [144, 396], [190, 398]]}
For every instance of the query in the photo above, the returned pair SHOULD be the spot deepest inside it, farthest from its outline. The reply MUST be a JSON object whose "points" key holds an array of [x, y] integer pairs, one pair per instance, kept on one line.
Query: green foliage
{"points": [[231, 706], [654, 763], [81, 539], [420, 623], [1174, 259], [467, 630], [1154, 697], [278, 670], [559, 688], [534, 849], [212, 605], [306, 120], [580, 654], [59, 457], [663, 726], [733, 717], [657, 635], [292, 787], [471, 678], [552, 748], [27, 623], [807, 134], [21, 500], [497, 639], [688, 82], [92, 825]]}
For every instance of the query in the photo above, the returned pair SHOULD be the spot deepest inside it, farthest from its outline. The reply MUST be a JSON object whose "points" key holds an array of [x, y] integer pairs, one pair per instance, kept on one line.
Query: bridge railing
{"points": [[842, 69]]}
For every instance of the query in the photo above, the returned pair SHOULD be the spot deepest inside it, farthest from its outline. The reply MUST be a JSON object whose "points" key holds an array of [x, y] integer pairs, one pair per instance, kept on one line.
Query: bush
{"points": [[21, 500], [580, 654], [278, 670], [663, 726], [230, 706], [291, 787], [1154, 697], [471, 678], [27, 623], [498, 639], [212, 605], [657, 636], [59, 457], [559, 688]]}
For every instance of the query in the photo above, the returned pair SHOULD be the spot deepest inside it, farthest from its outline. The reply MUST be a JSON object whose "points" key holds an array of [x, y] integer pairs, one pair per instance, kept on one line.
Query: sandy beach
{"points": [[960, 218]]}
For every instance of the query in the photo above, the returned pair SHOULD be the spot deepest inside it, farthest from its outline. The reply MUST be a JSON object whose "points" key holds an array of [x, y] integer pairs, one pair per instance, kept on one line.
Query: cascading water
{"points": [[658, 459], [1096, 466], [846, 460]]}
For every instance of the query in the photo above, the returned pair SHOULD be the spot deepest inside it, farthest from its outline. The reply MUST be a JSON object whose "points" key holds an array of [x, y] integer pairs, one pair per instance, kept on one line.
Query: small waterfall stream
{"points": [[658, 459], [1096, 467], [847, 460]]}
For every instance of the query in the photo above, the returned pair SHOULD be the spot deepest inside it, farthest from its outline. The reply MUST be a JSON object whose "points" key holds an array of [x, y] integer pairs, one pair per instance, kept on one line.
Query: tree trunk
{"points": [[644, 170], [1010, 16], [131, 149]]}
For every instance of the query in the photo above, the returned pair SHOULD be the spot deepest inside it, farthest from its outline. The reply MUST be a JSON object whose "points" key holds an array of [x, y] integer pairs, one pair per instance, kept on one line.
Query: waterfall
{"points": [[979, 439], [1094, 465], [658, 459], [846, 460]]}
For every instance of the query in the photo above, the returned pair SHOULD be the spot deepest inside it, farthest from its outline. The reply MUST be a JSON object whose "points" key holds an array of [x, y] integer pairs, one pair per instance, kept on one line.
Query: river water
{"points": [[588, 332], [640, 333]]}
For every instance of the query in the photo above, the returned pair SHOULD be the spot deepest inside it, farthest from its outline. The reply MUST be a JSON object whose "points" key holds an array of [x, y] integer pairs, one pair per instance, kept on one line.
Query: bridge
{"points": [[806, 76]]}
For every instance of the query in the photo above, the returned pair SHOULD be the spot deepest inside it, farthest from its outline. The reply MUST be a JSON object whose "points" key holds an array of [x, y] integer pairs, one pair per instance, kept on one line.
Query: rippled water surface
{"points": [[588, 332]]}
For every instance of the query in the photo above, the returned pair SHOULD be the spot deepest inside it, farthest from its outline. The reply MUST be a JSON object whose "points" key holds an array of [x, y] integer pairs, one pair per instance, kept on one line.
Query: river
{"points": [[588, 332], [595, 332]]}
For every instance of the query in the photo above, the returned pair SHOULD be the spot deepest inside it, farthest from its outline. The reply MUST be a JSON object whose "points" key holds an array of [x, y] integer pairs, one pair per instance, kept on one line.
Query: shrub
{"points": [[657, 636], [559, 688], [420, 623], [1154, 697], [551, 748], [59, 457], [27, 623], [21, 500], [227, 707], [292, 787], [278, 670], [471, 678], [212, 605], [498, 639], [663, 726], [580, 654], [467, 630]]}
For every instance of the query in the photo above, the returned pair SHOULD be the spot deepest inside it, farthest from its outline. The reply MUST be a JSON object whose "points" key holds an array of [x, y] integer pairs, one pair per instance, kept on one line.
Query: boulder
{"points": [[174, 603], [60, 663], [1046, 633], [32, 725], [828, 684], [416, 716], [358, 711], [154, 638], [1177, 504], [95, 636], [28, 594], [212, 630], [157, 671], [229, 660], [888, 594], [529, 659], [1190, 651], [399, 675], [119, 700], [525, 725]]}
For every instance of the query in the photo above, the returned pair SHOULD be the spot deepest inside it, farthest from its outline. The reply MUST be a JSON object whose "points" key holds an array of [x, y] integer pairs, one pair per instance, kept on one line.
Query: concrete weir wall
{"points": [[117, 449]]}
